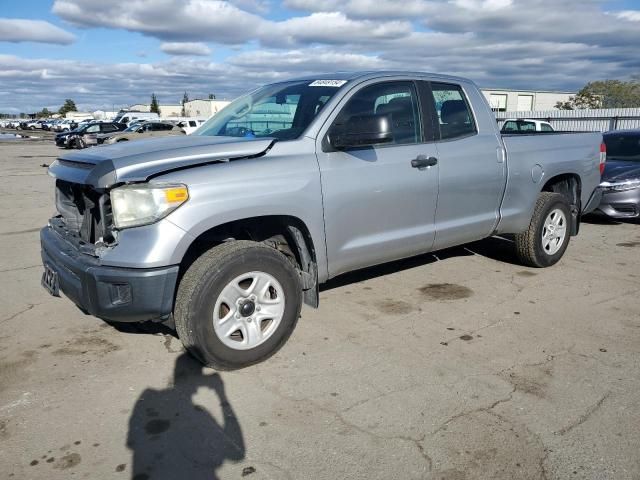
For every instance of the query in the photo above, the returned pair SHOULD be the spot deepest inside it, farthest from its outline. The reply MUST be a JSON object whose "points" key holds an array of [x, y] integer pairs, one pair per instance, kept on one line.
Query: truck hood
{"points": [[620, 171], [136, 161]]}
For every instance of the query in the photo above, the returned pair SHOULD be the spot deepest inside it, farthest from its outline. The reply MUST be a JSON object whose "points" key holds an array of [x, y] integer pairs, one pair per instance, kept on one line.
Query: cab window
{"points": [[454, 115], [397, 100]]}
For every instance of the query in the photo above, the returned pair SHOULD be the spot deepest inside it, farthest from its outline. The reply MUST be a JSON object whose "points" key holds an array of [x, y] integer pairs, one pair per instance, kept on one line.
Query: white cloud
{"points": [[185, 48], [484, 5], [20, 30], [377, 9], [331, 28], [307, 61], [223, 22], [633, 15], [171, 20]]}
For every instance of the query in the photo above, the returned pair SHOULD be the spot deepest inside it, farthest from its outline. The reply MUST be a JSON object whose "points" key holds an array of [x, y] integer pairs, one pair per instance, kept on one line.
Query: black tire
{"points": [[201, 286], [79, 143], [529, 247], [122, 140]]}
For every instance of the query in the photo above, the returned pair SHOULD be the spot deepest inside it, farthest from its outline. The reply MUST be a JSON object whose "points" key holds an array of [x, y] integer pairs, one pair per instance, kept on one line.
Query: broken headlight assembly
{"points": [[142, 204]]}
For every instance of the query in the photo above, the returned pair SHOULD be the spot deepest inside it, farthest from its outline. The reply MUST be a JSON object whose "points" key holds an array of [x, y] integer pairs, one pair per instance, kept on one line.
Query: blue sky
{"points": [[106, 54]]}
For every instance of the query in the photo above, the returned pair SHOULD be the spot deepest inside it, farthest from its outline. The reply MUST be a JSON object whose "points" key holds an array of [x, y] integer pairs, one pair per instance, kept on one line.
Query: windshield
{"points": [[282, 111], [623, 147]]}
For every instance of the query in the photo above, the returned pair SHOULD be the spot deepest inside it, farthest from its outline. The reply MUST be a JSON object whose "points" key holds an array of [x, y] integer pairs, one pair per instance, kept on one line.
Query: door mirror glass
{"points": [[361, 131]]}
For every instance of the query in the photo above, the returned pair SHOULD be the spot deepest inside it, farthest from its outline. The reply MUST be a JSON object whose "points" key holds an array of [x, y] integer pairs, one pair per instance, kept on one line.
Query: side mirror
{"points": [[361, 131]]}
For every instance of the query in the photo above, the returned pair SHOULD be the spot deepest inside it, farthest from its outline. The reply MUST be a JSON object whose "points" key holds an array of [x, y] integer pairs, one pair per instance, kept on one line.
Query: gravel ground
{"points": [[458, 365]]}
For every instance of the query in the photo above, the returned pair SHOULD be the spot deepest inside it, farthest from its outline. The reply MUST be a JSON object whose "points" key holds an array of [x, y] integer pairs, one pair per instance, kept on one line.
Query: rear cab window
{"points": [[454, 116]]}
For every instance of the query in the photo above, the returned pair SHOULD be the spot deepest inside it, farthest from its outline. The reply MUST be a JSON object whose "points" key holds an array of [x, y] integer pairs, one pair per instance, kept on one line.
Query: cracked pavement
{"points": [[454, 366]]}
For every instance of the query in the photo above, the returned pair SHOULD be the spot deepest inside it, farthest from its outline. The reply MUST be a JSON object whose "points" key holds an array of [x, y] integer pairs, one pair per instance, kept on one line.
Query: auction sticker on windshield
{"points": [[327, 83]]}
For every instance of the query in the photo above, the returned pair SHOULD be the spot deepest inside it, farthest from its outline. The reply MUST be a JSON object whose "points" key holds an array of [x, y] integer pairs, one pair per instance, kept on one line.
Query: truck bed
{"points": [[534, 158]]}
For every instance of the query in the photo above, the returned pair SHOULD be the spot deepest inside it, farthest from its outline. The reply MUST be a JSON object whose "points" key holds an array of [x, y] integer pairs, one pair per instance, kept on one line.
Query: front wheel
{"points": [[237, 304], [543, 244]]}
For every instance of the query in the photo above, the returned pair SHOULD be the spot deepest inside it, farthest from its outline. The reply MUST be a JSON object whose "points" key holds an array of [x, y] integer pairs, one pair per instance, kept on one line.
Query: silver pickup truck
{"points": [[229, 230]]}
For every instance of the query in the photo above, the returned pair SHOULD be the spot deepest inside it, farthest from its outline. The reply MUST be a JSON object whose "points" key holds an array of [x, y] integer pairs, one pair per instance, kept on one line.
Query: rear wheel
{"points": [[237, 304], [543, 244]]}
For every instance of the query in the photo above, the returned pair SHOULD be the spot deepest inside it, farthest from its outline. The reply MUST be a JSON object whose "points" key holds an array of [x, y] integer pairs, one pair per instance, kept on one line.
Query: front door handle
{"points": [[422, 161]]}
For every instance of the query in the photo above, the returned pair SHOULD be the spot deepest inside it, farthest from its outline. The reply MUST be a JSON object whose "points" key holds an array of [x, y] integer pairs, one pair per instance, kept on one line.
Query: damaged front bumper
{"points": [[112, 293]]}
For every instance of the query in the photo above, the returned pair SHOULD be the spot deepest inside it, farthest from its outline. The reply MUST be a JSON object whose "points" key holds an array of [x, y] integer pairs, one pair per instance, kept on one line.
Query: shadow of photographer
{"points": [[171, 437]]}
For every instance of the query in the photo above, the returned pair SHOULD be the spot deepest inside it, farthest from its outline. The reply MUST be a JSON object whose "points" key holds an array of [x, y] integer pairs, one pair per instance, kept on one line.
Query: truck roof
{"points": [[371, 74]]}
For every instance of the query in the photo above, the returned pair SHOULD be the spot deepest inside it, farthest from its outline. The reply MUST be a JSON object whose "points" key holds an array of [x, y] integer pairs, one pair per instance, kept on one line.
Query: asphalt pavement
{"points": [[457, 365]]}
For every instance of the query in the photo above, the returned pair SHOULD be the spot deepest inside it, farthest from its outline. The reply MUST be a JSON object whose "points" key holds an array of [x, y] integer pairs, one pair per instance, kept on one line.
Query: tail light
{"points": [[603, 157]]}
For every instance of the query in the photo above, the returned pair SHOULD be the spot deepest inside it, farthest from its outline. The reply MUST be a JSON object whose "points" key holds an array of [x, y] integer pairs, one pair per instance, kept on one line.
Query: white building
{"points": [[505, 100], [204, 108], [170, 110]]}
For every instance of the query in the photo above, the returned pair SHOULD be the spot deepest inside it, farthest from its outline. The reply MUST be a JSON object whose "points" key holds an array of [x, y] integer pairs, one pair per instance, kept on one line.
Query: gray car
{"points": [[229, 230], [621, 179]]}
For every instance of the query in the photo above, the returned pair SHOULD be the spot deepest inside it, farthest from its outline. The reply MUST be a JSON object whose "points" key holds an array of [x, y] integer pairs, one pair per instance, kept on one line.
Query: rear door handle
{"points": [[422, 161]]}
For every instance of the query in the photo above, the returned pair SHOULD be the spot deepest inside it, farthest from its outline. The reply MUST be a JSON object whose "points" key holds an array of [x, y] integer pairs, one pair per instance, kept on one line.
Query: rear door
{"points": [[377, 206], [471, 166]]}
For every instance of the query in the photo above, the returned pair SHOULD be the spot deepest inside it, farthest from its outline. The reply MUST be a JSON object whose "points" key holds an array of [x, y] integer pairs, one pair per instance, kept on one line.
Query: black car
{"points": [[621, 178], [87, 135]]}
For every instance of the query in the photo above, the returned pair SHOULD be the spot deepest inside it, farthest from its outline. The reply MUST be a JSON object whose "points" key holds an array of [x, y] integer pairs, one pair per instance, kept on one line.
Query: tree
{"points": [[185, 99], [154, 107], [605, 94], [212, 96], [44, 113], [69, 106]]}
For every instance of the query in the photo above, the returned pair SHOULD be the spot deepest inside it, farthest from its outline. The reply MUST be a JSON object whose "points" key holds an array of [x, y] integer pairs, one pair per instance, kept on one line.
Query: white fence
{"points": [[596, 120]]}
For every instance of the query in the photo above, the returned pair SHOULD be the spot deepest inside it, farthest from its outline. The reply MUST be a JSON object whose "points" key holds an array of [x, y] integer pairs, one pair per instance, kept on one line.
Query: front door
{"points": [[378, 207]]}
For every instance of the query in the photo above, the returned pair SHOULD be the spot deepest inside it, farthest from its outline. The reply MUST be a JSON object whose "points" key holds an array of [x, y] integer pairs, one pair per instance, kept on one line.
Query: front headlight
{"points": [[620, 186], [142, 204]]}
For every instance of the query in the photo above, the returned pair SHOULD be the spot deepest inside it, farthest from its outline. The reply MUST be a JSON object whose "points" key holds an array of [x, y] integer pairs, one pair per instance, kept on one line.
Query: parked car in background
{"points": [[621, 179], [86, 135], [65, 125], [48, 124], [128, 118], [30, 124], [103, 137], [145, 130], [525, 125], [190, 125], [229, 230], [12, 123]]}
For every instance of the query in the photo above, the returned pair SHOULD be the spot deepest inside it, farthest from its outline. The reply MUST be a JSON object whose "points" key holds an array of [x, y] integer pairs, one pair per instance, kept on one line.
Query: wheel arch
{"points": [[287, 234], [568, 185]]}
